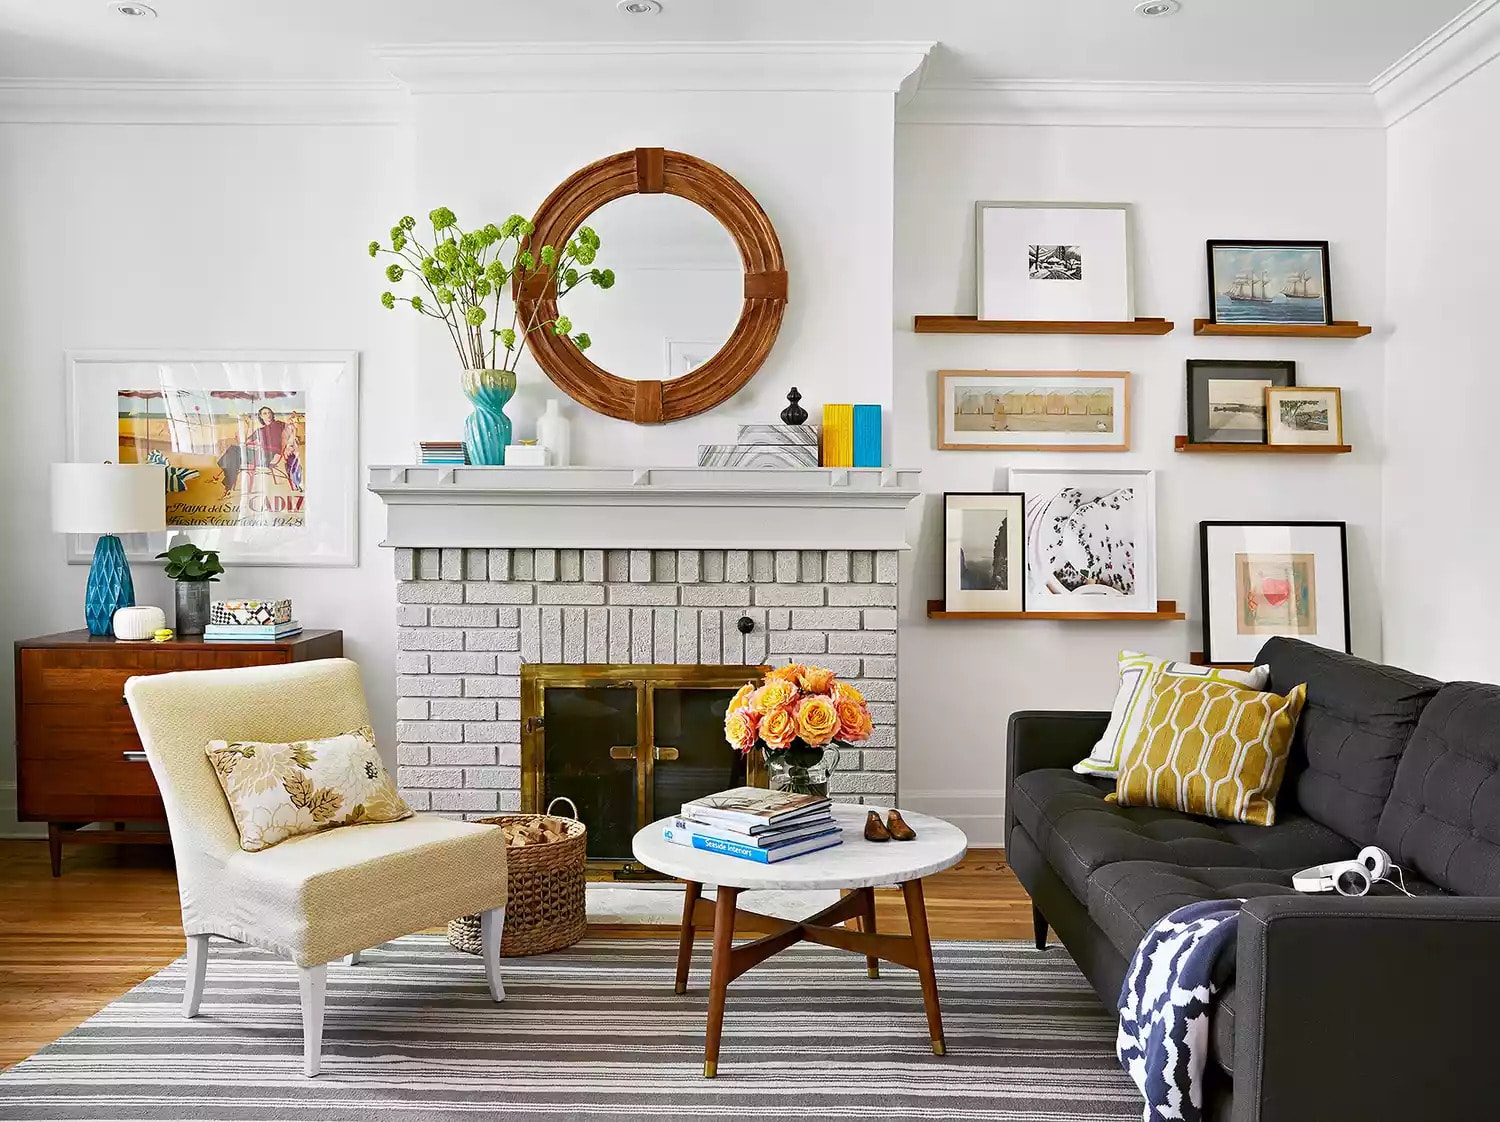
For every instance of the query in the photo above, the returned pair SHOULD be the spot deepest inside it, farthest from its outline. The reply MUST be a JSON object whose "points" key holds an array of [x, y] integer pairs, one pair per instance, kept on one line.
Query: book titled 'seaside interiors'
{"points": [[754, 806]]}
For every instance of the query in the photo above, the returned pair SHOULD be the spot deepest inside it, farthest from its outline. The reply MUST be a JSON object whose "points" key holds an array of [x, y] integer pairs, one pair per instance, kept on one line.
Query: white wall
{"points": [[179, 237], [961, 681], [1442, 459]]}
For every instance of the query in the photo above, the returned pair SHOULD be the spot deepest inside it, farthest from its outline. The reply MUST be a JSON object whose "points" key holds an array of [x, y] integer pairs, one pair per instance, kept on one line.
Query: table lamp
{"points": [[108, 499]]}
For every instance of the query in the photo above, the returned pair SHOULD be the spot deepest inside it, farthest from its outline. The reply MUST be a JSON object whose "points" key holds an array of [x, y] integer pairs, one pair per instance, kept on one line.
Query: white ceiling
{"points": [[1232, 41]]}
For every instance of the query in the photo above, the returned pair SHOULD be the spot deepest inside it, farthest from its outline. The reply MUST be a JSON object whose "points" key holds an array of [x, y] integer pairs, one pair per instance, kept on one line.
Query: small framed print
{"points": [[1273, 578], [984, 569], [1053, 261], [1269, 282], [1304, 415], [1034, 410], [1226, 398]]}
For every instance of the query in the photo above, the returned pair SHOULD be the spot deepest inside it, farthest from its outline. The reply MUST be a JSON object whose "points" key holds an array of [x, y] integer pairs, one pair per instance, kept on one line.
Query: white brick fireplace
{"points": [[497, 567]]}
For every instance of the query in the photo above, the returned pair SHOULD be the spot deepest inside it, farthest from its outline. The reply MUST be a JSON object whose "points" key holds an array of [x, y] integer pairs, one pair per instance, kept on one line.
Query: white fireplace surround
{"points": [[498, 567]]}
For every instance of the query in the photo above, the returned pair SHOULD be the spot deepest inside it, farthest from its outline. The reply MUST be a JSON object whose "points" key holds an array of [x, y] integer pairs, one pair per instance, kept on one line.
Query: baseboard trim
{"points": [[11, 827], [979, 814]]}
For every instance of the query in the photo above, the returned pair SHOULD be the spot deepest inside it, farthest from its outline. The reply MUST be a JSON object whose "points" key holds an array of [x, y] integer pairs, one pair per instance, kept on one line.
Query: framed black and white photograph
{"points": [[1054, 261], [1273, 578], [983, 567], [1090, 539], [1269, 282], [1226, 398], [1034, 410]]}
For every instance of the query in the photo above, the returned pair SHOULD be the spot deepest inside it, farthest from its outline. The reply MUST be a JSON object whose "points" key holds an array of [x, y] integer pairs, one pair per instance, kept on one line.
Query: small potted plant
{"points": [[192, 568], [798, 718]]}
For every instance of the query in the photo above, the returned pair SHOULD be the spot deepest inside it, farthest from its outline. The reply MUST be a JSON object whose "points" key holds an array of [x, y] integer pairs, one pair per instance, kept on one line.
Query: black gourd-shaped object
{"points": [[794, 414]]}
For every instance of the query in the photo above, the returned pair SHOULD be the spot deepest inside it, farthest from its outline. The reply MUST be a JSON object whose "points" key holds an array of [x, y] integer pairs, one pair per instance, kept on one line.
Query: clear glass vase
{"points": [[802, 770]]}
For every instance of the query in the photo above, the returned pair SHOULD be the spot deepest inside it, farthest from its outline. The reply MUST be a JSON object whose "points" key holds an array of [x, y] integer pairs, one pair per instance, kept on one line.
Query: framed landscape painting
{"points": [[1269, 282], [1053, 261], [1034, 410], [983, 566], [261, 449], [1226, 398], [1273, 578], [1090, 539]]}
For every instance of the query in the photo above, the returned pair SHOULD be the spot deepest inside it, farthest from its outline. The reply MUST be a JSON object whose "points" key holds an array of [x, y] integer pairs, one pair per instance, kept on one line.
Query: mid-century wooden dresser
{"points": [[78, 759]]}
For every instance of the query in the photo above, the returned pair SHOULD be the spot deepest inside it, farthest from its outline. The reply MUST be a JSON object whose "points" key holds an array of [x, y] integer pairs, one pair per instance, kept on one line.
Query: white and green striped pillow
{"points": [[1138, 673]]}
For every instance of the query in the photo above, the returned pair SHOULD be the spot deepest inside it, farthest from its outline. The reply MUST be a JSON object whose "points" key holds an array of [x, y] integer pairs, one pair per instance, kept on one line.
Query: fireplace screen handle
{"points": [[627, 752], [664, 752]]}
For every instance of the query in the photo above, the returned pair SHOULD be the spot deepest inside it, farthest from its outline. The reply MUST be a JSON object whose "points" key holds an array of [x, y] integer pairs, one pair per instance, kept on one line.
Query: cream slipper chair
{"points": [[318, 897]]}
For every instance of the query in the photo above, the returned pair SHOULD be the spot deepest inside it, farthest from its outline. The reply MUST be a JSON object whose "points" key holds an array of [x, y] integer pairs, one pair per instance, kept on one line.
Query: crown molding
{"points": [[1457, 49], [168, 101], [1143, 104], [653, 67]]}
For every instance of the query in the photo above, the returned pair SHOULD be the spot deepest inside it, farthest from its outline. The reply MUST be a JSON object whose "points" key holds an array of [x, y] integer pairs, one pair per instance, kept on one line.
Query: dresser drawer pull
{"points": [[135, 757]]}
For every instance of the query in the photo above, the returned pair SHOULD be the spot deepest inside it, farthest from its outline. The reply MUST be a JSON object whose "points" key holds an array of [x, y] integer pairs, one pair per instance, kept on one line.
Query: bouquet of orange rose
{"points": [[797, 717]]}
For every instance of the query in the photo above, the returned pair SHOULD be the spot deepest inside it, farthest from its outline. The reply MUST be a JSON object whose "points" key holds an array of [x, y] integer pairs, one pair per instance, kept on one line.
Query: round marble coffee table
{"points": [[856, 867]]}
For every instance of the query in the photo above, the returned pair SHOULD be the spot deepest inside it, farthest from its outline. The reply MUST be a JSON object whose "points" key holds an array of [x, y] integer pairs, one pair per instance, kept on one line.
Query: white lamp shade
{"points": [[109, 498]]}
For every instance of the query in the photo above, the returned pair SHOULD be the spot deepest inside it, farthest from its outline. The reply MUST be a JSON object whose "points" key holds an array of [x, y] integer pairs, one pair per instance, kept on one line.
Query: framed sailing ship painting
{"points": [[1269, 282]]}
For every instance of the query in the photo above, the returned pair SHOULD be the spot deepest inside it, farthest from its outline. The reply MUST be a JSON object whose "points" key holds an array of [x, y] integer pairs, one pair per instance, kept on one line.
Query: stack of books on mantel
{"points": [[755, 824], [441, 452]]}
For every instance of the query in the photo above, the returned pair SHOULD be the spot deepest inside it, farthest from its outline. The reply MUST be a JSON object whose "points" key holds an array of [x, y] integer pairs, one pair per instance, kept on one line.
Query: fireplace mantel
{"points": [[644, 508]]}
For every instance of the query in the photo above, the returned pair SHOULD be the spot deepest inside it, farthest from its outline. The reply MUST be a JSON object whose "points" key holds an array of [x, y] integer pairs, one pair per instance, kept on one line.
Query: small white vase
{"points": [[554, 433], [138, 623]]}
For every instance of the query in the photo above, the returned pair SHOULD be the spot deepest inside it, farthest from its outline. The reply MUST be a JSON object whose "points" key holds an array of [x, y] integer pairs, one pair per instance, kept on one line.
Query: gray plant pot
{"points": [[192, 606]]}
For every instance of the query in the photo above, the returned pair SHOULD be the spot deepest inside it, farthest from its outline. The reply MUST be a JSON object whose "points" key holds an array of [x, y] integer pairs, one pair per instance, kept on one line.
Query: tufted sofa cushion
{"points": [[1354, 726], [1443, 817], [1078, 832]]}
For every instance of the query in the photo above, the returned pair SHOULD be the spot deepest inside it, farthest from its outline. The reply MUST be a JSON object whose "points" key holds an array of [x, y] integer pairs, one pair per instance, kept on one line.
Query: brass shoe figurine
{"points": [[875, 830], [897, 828]]}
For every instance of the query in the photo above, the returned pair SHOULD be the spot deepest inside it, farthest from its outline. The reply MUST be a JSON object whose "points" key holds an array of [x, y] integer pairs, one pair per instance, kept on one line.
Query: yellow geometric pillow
{"points": [[1212, 749], [278, 791]]}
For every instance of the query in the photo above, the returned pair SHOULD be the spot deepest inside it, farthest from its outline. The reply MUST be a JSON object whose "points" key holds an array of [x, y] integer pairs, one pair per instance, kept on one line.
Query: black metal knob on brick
{"points": [[746, 625]]}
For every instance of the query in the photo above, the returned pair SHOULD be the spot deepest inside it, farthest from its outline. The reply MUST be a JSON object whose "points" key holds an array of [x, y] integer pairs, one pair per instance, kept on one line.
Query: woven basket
{"points": [[544, 896]]}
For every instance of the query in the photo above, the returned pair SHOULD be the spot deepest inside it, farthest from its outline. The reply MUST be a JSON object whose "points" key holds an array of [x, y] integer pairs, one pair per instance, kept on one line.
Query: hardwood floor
{"points": [[71, 945]]}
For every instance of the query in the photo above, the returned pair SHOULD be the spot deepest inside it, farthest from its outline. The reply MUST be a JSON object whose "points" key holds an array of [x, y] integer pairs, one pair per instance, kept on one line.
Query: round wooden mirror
{"points": [[709, 381]]}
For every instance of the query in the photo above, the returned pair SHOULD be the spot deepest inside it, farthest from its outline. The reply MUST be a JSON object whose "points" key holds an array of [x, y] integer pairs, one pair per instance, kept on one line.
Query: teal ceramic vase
{"points": [[487, 431]]}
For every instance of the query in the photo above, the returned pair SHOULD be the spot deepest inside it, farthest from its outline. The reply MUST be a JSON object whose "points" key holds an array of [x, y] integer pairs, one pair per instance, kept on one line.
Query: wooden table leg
{"points": [[692, 890], [916, 916], [718, 984], [54, 847], [867, 925]]}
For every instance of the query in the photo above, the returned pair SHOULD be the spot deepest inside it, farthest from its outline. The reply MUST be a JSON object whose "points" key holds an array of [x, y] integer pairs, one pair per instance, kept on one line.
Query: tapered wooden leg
{"points": [[718, 984], [867, 925], [1039, 927], [54, 847], [491, 931], [916, 916], [692, 891], [313, 982], [197, 967]]}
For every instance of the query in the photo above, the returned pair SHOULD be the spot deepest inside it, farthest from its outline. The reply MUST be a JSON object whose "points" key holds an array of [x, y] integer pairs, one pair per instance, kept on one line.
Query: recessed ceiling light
{"points": [[638, 7], [1158, 7], [135, 10]]}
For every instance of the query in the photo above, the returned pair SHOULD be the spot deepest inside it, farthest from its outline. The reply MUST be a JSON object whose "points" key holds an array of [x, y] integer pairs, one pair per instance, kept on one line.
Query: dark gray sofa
{"points": [[1366, 1010]]}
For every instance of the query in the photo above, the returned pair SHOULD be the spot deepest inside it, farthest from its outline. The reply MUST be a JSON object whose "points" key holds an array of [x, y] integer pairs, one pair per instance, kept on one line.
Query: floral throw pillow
{"points": [[278, 791]]}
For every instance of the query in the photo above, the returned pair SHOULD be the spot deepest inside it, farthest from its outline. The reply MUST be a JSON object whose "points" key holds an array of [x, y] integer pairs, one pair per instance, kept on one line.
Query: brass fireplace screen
{"points": [[628, 745]]}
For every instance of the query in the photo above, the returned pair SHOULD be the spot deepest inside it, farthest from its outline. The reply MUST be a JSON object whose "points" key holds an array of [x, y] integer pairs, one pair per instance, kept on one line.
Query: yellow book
{"points": [[838, 436]]}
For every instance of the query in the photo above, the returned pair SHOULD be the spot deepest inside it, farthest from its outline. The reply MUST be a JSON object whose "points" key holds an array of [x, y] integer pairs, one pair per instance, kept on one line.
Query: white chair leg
{"points": [[313, 982], [197, 966], [352, 959], [491, 927]]}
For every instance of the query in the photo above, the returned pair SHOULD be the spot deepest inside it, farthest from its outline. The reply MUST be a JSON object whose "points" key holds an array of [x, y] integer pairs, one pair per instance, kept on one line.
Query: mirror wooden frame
{"points": [[657, 171]]}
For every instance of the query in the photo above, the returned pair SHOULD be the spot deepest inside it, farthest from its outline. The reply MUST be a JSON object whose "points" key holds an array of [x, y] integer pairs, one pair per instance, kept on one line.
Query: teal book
{"points": [[765, 856], [867, 453]]}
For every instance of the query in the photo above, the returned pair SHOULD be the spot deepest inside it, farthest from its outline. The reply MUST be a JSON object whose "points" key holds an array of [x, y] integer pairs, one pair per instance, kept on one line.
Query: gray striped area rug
{"points": [[592, 1032]]}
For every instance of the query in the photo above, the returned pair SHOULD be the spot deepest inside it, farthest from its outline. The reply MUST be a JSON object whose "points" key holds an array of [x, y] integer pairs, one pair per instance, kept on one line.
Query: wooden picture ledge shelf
{"points": [[973, 325], [1181, 444], [1338, 329], [1196, 658], [1165, 610]]}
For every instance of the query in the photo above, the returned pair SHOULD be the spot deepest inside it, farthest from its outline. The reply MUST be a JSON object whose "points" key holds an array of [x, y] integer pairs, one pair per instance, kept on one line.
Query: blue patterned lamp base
{"points": [[109, 588]]}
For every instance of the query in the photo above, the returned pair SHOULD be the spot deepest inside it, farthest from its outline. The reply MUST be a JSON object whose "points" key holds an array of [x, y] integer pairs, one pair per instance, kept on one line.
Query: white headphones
{"points": [[1352, 878]]}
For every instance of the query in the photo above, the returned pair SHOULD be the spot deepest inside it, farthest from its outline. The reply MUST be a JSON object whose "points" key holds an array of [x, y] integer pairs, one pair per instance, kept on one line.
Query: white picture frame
{"points": [[1098, 524], [1054, 261], [297, 505]]}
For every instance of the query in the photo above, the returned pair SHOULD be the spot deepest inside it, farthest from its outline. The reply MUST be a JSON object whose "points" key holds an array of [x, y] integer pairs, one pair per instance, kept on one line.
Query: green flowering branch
{"points": [[461, 272]]}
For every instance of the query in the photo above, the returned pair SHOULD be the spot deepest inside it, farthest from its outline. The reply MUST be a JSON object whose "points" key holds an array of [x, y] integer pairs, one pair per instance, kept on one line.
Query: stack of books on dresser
{"points": [[755, 824]]}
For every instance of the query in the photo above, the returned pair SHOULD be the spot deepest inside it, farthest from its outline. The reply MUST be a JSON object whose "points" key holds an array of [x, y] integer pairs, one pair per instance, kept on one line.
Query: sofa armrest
{"points": [[1041, 738], [1377, 1008]]}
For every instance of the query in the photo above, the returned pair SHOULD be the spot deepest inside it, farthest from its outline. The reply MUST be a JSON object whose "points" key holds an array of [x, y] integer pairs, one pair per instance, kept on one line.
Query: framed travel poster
{"points": [[1273, 578], [983, 566], [261, 449], [1226, 398], [1052, 261], [1269, 282], [1304, 415], [1034, 410], [1090, 540]]}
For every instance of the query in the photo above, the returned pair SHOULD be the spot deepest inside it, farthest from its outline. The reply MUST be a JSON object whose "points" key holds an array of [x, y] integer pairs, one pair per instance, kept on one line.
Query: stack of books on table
{"points": [[250, 632], [441, 452], [755, 824]]}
